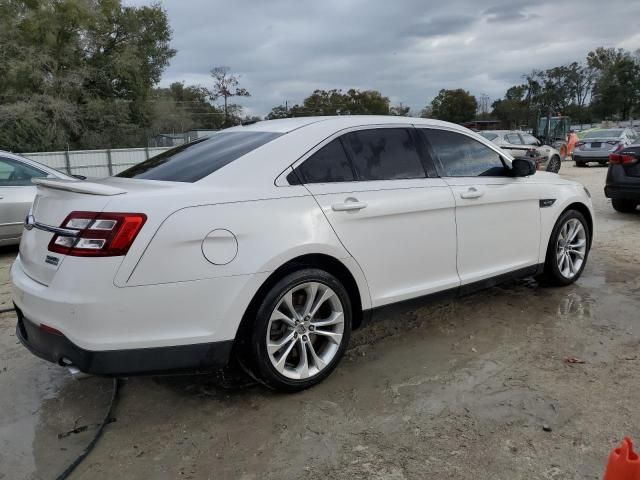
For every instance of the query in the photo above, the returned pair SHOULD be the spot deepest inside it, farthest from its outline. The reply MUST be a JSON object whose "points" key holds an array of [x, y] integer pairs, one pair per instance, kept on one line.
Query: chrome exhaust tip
{"points": [[76, 373]]}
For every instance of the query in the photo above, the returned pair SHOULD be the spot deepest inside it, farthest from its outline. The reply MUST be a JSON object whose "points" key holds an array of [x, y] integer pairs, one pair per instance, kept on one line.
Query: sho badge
{"points": [[51, 260]]}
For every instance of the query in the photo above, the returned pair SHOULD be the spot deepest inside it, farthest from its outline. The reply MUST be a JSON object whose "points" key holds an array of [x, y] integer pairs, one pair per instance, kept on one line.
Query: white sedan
{"points": [[517, 143], [17, 192], [272, 241]]}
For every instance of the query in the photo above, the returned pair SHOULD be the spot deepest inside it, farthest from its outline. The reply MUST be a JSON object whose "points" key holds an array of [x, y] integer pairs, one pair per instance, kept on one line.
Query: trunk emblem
{"points": [[51, 260], [29, 222]]}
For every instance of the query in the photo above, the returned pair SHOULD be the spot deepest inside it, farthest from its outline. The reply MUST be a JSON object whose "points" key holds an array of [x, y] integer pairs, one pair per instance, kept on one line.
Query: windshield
{"points": [[611, 133], [488, 135], [195, 160]]}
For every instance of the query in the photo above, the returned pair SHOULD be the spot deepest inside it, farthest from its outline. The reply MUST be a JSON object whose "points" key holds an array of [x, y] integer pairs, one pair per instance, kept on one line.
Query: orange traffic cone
{"points": [[624, 463]]}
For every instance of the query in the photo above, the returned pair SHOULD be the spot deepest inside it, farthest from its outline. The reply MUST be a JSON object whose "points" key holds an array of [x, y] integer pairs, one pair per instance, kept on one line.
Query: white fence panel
{"points": [[95, 163]]}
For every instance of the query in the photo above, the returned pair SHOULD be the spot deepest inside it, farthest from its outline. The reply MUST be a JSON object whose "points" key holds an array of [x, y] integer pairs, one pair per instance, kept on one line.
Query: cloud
{"points": [[440, 25], [407, 49], [514, 11]]}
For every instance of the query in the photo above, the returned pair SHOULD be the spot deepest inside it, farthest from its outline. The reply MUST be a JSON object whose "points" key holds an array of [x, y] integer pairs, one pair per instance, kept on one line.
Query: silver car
{"points": [[596, 145], [17, 192], [517, 143]]}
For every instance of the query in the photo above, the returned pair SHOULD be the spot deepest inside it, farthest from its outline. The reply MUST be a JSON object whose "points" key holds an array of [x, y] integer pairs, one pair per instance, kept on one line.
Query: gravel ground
{"points": [[475, 388]]}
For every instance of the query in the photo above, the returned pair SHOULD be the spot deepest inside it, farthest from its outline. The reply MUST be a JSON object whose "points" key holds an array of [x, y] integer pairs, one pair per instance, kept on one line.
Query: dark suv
{"points": [[623, 179]]}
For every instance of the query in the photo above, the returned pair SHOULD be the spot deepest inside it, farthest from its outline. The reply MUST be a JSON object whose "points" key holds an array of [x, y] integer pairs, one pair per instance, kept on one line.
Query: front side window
{"points": [[195, 160], [513, 138], [329, 164], [17, 174], [462, 156], [530, 139], [384, 154]]}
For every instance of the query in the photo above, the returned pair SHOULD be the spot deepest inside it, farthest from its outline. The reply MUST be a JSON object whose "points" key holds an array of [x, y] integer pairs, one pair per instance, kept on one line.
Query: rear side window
{"points": [[462, 156], [329, 164], [194, 161], [384, 154], [488, 135], [17, 174]]}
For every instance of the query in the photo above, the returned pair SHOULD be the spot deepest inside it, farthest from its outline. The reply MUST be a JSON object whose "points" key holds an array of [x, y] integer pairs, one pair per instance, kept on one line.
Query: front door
{"points": [[497, 215]]}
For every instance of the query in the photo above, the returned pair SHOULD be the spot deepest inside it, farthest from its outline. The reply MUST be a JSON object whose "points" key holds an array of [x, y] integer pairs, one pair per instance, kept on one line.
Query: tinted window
{"points": [[462, 156], [329, 164], [488, 135], [15, 174], [384, 154], [513, 138], [196, 160], [610, 133], [529, 139]]}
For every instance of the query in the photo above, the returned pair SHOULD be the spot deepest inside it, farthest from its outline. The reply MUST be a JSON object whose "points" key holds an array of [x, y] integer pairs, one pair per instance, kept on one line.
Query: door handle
{"points": [[348, 205], [472, 192]]}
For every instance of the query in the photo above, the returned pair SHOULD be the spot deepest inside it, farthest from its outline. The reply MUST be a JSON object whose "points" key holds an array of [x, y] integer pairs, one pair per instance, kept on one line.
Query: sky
{"points": [[406, 49]]}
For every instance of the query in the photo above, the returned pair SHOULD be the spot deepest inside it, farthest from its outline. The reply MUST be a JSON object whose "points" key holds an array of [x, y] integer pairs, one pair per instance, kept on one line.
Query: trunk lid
{"points": [[54, 200]]}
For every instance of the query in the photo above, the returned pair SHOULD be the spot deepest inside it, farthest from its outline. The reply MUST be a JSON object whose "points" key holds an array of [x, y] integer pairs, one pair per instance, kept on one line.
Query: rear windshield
{"points": [[613, 133], [488, 136], [195, 160]]}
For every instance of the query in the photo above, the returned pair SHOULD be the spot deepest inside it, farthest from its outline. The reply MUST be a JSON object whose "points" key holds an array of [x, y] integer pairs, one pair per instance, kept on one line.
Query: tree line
{"points": [[82, 74]]}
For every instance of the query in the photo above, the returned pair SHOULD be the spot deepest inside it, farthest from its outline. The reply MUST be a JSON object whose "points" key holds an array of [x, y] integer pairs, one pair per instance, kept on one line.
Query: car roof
{"points": [[286, 125], [500, 132]]}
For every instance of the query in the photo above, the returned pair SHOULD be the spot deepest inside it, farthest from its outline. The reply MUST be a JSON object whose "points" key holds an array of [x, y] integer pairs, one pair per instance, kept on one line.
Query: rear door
{"points": [[395, 221], [497, 216]]}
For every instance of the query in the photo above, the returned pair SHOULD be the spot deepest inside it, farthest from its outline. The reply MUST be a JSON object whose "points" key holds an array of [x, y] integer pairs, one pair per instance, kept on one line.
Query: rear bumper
{"points": [[620, 184], [62, 351], [596, 157], [627, 192]]}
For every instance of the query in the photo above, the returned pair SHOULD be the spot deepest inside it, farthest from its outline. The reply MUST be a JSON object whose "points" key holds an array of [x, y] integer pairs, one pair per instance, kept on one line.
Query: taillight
{"points": [[617, 159], [579, 144], [94, 234]]}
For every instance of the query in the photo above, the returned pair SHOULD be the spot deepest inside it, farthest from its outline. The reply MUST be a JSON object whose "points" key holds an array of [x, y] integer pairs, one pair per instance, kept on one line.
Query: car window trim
{"points": [[505, 160], [281, 178]]}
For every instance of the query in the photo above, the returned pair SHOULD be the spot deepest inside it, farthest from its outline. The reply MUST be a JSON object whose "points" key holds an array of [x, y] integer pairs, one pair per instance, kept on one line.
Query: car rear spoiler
{"points": [[78, 186]]}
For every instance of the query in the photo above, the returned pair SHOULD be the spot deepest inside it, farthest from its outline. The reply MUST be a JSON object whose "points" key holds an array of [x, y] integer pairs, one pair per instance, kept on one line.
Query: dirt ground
{"points": [[475, 388]]}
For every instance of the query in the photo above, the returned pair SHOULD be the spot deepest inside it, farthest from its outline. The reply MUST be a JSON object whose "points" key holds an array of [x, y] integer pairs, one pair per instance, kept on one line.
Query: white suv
{"points": [[272, 241]]}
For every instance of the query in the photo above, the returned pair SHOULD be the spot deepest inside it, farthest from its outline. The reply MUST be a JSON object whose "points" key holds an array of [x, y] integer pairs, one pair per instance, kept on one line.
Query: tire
{"points": [[578, 244], [297, 336], [554, 164], [624, 205]]}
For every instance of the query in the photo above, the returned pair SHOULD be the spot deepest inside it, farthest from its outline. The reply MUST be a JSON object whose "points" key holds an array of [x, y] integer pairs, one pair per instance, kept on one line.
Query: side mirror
{"points": [[79, 177], [523, 167]]}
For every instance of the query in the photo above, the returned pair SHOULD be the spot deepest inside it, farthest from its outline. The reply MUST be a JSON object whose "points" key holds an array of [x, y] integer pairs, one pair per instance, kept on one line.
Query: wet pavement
{"points": [[450, 390]]}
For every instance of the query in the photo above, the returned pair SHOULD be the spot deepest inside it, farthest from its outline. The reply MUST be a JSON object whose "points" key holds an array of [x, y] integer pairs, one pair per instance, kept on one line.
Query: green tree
{"points": [[337, 102], [78, 73], [617, 86], [400, 110], [280, 111], [225, 86], [456, 106]]}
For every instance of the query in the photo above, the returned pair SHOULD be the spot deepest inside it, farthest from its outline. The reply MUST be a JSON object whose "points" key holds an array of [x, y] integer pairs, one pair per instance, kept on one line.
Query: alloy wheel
{"points": [[305, 330], [571, 248]]}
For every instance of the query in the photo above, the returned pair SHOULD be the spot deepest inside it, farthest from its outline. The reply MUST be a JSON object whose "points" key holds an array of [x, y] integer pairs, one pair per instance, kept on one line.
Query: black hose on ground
{"points": [[96, 437]]}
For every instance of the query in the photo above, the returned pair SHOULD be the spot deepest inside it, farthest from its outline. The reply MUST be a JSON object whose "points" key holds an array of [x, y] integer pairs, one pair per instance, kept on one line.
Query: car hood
{"points": [[552, 178]]}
